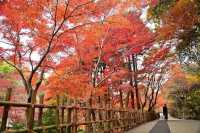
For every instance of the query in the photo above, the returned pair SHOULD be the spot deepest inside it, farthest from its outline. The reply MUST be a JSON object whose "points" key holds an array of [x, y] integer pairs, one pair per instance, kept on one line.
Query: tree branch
{"points": [[39, 82], [19, 71]]}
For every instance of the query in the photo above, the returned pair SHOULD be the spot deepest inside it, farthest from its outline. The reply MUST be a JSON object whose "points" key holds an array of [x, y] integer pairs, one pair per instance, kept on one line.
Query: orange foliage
{"points": [[182, 16], [74, 40]]}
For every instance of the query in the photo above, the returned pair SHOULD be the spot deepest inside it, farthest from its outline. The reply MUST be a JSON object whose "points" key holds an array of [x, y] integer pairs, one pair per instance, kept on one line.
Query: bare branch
{"points": [[6, 42], [55, 16], [105, 78], [55, 31], [30, 60]]}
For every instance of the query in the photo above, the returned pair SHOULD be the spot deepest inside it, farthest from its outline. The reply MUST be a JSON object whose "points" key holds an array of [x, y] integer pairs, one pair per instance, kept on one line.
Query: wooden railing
{"points": [[69, 118]]}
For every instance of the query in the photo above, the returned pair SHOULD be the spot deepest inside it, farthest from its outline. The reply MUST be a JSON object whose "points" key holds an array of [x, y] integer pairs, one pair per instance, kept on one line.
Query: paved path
{"points": [[170, 126], [160, 127]]}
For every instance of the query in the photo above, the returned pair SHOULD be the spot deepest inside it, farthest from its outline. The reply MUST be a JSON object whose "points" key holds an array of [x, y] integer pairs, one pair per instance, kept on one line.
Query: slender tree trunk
{"points": [[121, 99], [135, 81], [145, 98], [127, 99], [131, 93], [156, 97], [146, 92], [132, 99], [151, 100]]}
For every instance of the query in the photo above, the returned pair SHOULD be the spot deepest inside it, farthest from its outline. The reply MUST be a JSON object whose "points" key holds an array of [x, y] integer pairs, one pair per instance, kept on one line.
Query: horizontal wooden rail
{"points": [[13, 104]]}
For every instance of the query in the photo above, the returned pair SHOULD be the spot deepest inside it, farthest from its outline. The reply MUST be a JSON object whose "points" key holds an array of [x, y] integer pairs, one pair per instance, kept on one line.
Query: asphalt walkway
{"points": [[161, 127], [170, 126]]}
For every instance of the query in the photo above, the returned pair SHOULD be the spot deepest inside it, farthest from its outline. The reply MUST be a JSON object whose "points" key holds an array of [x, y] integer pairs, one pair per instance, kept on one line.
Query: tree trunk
{"points": [[151, 100], [132, 99], [135, 81], [30, 111], [127, 99], [121, 99]]}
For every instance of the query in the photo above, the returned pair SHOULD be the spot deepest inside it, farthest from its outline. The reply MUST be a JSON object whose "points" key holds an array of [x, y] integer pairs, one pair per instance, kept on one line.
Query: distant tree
{"points": [[183, 89], [178, 21]]}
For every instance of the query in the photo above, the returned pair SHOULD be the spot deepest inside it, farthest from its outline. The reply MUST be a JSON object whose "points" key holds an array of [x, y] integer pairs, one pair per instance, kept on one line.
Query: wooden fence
{"points": [[70, 117]]}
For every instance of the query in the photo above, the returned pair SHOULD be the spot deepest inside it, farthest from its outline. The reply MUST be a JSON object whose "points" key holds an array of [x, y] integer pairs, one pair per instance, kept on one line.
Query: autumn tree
{"points": [[87, 43], [36, 35], [115, 63], [179, 21], [182, 89]]}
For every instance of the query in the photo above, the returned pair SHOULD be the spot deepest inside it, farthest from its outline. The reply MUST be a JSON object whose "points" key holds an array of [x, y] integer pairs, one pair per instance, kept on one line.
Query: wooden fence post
{"points": [[88, 116], [57, 114], [109, 118], [6, 110], [69, 112], [125, 120], [62, 114], [31, 113], [120, 120], [74, 126], [40, 113], [30, 118], [100, 113]]}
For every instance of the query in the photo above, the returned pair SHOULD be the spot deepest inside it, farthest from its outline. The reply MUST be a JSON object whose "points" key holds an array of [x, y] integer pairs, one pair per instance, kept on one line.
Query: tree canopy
{"points": [[98, 48]]}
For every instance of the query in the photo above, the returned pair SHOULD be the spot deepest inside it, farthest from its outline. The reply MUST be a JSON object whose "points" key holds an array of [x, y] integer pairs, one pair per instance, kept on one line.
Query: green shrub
{"points": [[49, 118], [17, 125]]}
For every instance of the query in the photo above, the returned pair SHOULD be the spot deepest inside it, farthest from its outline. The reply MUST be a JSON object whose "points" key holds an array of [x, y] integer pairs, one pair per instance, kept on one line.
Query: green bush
{"points": [[49, 118], [81, 131], [193, 104], [187, 106], [17, 126]]}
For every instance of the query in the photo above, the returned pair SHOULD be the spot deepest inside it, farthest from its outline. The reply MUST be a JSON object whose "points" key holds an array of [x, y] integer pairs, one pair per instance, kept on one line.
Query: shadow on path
{"points": [[161, 127]]}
